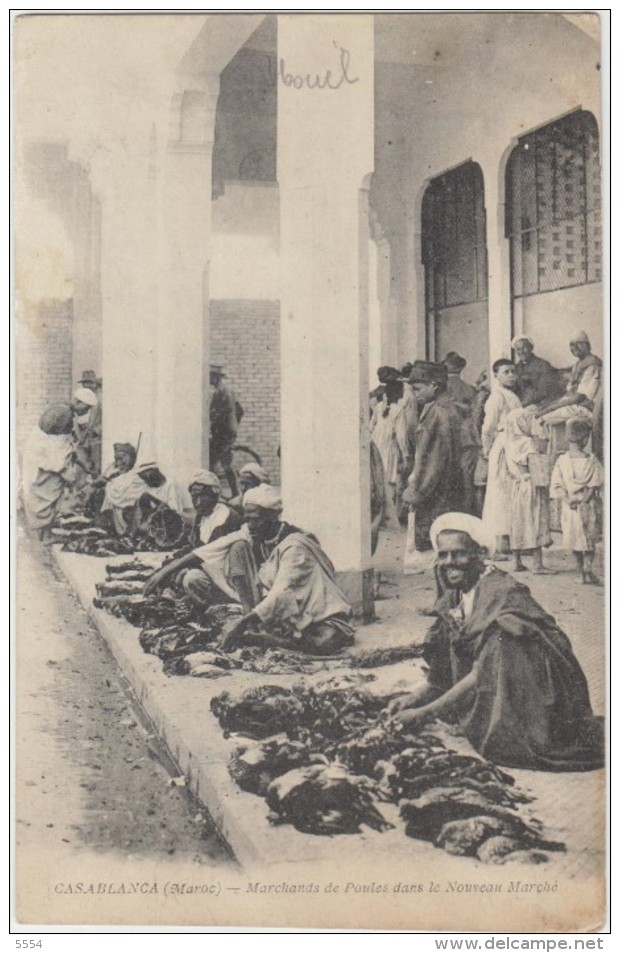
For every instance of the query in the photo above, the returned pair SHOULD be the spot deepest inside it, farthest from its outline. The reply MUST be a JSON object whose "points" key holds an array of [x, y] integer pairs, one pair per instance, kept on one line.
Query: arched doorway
{"points": [[454, 256]]}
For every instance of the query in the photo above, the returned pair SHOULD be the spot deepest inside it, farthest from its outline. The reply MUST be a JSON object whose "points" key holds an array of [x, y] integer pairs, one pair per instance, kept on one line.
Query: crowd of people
{"points": [[470, 468], [501, 452]]}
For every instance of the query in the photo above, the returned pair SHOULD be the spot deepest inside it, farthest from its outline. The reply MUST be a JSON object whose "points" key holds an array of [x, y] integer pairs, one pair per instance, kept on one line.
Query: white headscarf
{"points": [[265, 496], [206, 478], [461, 523], [256, 470], [85, 396]]}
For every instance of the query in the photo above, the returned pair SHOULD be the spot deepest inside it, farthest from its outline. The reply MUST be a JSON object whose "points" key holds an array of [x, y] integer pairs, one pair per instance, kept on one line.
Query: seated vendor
{"points": [[124, 461], [250, 475], [302, 607], [214, 518], [499, 664], [145, 484]]}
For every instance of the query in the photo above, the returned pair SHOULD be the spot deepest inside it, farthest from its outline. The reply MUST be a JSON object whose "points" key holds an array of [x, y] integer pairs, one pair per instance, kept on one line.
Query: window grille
{"points": [[454, 238], [553, 207]]}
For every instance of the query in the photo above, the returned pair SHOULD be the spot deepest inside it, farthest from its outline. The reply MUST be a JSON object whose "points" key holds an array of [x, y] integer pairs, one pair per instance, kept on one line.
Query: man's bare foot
{"points": [[499, 558], [543, 571], [589, 579], [427, 610]]}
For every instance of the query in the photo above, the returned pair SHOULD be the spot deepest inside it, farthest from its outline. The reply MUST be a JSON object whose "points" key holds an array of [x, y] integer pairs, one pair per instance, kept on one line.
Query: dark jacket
{"points": [[436, 483], [538, 382]]}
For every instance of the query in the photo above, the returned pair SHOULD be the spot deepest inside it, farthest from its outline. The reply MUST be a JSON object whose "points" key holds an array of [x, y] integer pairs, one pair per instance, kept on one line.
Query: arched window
{"points": [[553, 207]]}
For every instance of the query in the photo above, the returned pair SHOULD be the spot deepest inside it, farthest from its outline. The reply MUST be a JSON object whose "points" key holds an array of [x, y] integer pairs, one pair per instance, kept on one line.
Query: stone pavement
{"points": [[570, 805]]}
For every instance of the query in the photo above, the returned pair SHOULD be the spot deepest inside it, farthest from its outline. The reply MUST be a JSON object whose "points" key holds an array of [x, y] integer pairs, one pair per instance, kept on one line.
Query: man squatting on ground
{"points": [[500, 665], [280, 575]]}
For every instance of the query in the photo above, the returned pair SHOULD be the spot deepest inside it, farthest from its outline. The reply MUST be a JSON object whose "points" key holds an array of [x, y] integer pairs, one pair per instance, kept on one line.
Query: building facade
{"points": [[301, 197]]}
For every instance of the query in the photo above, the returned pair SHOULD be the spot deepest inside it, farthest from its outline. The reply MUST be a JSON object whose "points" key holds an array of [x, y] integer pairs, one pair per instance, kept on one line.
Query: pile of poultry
{"points": [[325, 759], [76, 533], [185, 637]]}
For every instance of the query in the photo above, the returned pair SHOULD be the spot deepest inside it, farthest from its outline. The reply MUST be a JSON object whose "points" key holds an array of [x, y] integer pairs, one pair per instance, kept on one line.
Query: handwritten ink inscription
{"points": [[330, 79]]}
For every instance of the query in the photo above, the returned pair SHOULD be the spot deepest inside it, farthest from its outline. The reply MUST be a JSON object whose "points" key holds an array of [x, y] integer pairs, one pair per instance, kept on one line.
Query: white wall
{"points": [[245, 226], [494, 79]]}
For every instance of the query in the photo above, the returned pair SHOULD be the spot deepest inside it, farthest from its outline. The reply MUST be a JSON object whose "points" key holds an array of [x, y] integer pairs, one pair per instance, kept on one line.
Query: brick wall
{"points": [[43, 361], [245, 338]]}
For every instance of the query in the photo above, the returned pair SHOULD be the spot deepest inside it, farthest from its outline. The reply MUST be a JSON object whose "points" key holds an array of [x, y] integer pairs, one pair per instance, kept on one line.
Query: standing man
{"points": [[538, 382], [225, 413], [463, 396], [90, 381], [436, 484], [83, 403]]}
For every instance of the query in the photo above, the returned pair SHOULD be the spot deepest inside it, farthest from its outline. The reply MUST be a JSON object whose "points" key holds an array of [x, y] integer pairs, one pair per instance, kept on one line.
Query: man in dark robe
{"points": [[225, 413], [538, 381], [500, 665], [463, 396], [436, 483]]}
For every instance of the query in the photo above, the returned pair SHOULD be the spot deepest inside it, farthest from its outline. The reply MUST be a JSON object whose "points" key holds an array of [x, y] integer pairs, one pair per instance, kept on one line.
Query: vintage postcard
{"points": [[311, 439]]}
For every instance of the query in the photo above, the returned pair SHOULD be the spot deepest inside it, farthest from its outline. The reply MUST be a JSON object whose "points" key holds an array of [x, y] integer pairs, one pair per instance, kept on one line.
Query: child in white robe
{"points": [[576, 480], [496, 511], [529, 504]]}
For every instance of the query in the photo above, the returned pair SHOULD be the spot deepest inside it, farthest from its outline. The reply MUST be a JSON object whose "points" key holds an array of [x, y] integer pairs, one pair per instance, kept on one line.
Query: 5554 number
{"points": [[28, 944]]}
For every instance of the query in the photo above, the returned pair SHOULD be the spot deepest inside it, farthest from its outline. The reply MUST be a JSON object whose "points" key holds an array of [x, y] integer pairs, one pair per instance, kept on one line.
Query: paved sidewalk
{"points": [[570, 805]]}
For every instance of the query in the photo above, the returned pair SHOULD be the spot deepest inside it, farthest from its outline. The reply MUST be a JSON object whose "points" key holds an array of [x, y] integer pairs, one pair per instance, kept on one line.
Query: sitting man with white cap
{"points": [[500, 665], [583, 386], [250, 475], [301, 606], [279, 574], [142, 487], [584, 394], [214, 518]]}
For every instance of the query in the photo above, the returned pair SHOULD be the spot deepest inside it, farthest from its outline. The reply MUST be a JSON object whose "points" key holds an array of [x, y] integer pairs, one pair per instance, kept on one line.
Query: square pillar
{"points": [[128, 303], [325, 157], [498, 251], [185, 229]]}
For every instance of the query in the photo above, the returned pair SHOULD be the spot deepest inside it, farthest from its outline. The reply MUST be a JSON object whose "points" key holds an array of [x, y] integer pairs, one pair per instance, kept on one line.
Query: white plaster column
{"points": [[498, 251], [185, 229], [128, 306], [325, 155]]}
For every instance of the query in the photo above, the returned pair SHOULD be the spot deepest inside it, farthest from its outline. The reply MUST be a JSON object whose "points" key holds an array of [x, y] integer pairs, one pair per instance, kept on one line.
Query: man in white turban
{"points": [[47, 467], [302, 607], [583, 399], [87, 436], [133, 496], [280, 575], [250, 475], [499, 665], [214, 518]]}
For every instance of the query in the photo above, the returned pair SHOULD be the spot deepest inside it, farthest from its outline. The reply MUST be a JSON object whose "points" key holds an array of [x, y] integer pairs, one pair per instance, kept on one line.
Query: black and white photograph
{"points": [[311, 408]]}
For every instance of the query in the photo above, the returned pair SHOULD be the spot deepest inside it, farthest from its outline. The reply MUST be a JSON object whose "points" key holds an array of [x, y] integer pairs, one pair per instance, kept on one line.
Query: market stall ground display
{"points": [[76, 533], [187, 637], [324, 758]]}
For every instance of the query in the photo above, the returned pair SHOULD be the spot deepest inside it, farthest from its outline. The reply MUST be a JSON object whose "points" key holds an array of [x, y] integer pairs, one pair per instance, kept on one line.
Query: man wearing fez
{"points": [[436, 484]]}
